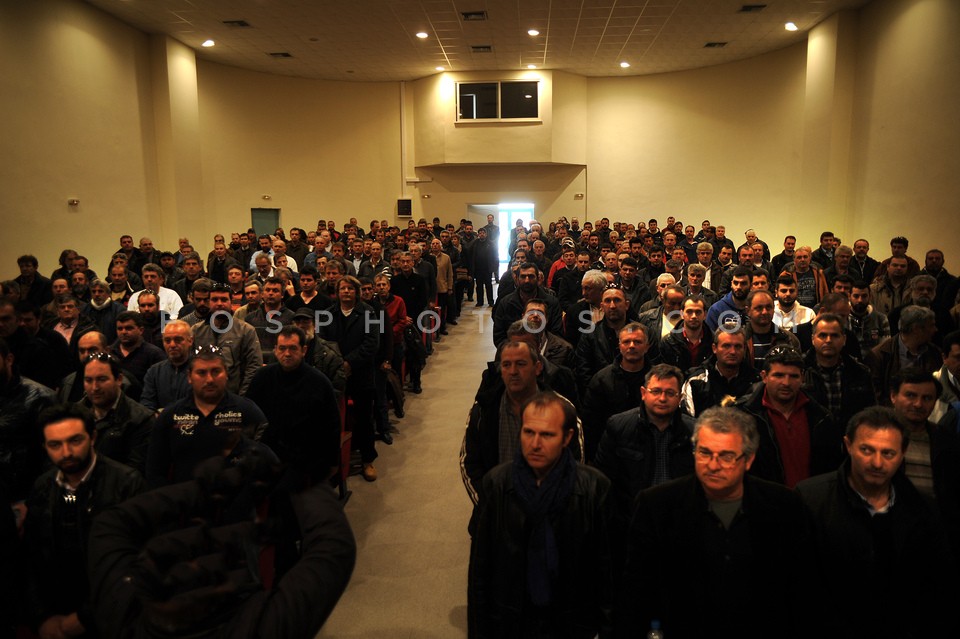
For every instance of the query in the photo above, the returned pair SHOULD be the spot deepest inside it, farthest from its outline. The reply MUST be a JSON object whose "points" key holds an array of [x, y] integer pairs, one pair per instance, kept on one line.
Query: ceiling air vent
{"points": [[714, 45], [240, 24], [280, 54], [481, 48], [752, 8], [473, 16]]}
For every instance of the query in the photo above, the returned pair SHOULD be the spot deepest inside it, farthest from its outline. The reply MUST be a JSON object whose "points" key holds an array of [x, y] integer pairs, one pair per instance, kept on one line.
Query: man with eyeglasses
{"points": [[122, 424], [713, 533], [210, 422], [799, 438], [166, 381], [871, 524], [645, 446]]}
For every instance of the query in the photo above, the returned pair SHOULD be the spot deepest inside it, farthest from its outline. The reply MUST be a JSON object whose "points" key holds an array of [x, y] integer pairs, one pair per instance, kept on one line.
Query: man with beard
{"points": [[510, 308], [166, 381], [80, 286], [730, 310], [762, 334], [787, 313], [301, 410], [149, 309], [200, 296], [134, 354], [63, 503], [783, 258], [870, 326], [210, 422], [122, 425]]}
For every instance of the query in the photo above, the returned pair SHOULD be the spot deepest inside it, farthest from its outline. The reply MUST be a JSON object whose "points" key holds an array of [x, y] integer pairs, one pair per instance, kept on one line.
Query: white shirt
{"points": [[798, 315], [168, 300]]}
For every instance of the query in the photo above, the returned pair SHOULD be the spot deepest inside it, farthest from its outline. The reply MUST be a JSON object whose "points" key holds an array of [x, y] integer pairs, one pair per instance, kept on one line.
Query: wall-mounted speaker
{"points": [[404, 208]]}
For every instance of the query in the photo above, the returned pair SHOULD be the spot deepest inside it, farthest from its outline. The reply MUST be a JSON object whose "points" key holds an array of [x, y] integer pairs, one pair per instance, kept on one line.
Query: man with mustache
{"points": [[60, 509], [211, 421]]}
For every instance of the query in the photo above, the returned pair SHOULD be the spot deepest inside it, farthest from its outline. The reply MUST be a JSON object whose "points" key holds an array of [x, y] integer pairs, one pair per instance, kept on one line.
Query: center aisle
{"points": [[411, 524]]}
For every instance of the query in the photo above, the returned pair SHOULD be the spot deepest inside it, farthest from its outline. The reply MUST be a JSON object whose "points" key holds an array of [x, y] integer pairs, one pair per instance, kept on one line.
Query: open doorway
{"points": [[506, 214]]}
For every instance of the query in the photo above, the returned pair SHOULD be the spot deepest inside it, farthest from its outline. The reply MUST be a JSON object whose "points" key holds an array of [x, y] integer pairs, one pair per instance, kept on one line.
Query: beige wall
{"points": [[906, 175], [721, 143], [77, 122], [853, 131], [326, 150]]}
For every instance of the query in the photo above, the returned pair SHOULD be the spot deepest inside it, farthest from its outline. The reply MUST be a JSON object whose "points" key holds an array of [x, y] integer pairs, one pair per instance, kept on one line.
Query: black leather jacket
{"points": [[21, 451], [51, 542], [499, 606]]}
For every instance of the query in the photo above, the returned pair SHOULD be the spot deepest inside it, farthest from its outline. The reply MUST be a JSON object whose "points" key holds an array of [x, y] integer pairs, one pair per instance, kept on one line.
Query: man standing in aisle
{"points": [[540, 559]]}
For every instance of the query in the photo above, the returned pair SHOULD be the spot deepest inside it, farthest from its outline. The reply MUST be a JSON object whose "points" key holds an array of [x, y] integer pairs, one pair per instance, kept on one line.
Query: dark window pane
{"points": [[478, 100], [518, 100]]}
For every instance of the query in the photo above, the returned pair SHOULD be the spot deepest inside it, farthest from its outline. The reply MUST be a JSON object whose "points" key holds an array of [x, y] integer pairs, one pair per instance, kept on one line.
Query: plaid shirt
{"points": [[833, 383]]}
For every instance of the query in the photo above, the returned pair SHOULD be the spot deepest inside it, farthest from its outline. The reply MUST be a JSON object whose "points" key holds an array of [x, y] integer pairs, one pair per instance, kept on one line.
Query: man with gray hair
{"points": [[913, 346], [720, 521], [153, 276], [922, 291]]}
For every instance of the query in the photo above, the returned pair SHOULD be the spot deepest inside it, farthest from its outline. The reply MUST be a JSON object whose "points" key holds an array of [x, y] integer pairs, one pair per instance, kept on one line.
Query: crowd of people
{"points": [[663, 402]]}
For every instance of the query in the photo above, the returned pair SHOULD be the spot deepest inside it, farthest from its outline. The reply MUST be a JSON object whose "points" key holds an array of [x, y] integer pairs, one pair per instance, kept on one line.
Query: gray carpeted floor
{"points": [[411, 524]]}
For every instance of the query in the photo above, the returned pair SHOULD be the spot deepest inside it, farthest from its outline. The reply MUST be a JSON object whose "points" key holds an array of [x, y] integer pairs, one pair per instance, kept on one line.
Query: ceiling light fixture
{"points": [[208, 43], [422, 34], [531, 66], [533, 32], [440, 69], [624, 65], [790, 26]]}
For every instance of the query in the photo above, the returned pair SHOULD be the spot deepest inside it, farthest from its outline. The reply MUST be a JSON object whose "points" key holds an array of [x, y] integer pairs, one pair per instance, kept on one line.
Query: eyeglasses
{"points": [[666, 392], [726, 459], [207, 349], [221, 287]]}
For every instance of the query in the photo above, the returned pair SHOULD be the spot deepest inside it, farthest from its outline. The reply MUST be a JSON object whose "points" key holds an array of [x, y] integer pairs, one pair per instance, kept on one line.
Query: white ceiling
{"points": [[374, 40]]}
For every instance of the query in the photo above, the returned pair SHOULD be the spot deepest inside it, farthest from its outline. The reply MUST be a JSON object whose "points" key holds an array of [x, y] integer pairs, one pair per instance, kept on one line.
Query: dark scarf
{"points": [[539, 503]]}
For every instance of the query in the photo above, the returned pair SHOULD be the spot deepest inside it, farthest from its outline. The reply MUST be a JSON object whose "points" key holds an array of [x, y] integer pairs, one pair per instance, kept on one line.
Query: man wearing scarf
{"points": [[540, 559]]}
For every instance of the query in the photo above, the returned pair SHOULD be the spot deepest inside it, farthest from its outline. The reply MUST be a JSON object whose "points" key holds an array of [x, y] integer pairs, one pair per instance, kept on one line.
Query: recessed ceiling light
{"points": [[528, 96], [533, 32], [208, 43], [422, 34], [440, 69], [624, 65], [531, 66], [790, 26]]}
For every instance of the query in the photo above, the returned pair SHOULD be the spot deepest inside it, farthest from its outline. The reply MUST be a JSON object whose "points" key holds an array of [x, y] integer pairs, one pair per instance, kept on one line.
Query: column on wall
{"points": [[828, 119], [177, 125]]}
